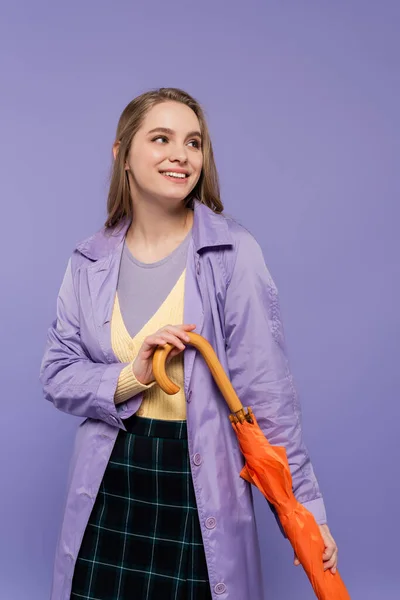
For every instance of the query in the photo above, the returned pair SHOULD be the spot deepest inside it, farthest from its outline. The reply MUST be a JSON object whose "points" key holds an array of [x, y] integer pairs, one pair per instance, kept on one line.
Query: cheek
{"points": [[146, 161], [197, 163], [156, 154]]}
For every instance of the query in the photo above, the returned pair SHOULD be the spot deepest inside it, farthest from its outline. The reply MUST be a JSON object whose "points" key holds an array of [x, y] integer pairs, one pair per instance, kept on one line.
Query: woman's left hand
{"points": [[330, 556]]}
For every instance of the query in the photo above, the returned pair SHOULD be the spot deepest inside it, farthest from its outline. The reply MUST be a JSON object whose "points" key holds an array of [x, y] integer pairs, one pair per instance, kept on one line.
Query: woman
{"points": [[156, 507]]}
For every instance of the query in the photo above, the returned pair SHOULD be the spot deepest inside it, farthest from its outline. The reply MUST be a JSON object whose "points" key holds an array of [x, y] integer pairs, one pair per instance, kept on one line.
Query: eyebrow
{"points": [[171, 132]]}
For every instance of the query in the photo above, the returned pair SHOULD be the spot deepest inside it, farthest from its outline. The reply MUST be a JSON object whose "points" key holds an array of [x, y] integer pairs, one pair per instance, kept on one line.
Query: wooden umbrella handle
{"points": [[217, 371]]}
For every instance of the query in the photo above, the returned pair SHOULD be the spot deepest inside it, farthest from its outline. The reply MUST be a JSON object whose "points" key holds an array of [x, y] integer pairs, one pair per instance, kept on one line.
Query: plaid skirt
{"points": [[143, 539]]}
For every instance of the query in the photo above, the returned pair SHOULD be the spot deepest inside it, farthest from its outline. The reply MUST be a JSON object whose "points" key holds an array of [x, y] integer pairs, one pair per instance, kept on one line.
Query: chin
{"points": [[177, 195]]}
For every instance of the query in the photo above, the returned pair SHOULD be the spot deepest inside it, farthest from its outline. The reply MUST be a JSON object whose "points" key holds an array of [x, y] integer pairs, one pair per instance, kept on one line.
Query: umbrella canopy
{"points": [[267, 468]]}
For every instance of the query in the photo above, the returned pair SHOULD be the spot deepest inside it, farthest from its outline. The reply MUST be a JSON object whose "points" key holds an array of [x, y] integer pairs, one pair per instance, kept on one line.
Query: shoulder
{"points": [[246, 251], [245, 262], [100, 245], [82, 257], [79, 259], [243, 239]]}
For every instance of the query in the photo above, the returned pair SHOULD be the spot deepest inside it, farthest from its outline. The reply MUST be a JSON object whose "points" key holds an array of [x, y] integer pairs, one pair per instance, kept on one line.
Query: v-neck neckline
{"points": [[127, 338]]}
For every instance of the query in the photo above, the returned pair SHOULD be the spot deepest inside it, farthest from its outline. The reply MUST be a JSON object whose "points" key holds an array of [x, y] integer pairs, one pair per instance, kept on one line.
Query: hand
{"points": [[173, 334], [330, 556]]}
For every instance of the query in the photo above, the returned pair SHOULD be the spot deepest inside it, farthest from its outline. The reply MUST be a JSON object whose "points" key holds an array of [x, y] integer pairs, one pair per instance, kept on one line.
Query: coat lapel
{"points": [[193, 309], [210, 230], [102, 281], [105, 250]]}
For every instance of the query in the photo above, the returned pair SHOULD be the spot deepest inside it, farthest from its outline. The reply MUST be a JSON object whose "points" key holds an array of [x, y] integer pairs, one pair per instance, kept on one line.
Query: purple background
{"points": [[302, 100]]}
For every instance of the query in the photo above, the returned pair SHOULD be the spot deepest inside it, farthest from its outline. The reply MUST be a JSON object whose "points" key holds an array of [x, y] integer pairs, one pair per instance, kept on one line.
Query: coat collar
{"points": [[209, 230]]}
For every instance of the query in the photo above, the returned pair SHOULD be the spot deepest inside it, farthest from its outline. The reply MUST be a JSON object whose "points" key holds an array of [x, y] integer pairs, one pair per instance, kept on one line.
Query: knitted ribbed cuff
{"points": [[128, 386]]}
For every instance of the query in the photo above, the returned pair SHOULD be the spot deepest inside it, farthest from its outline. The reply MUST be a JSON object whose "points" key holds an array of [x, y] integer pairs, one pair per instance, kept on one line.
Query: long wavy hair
{"points": [[207, 191]]}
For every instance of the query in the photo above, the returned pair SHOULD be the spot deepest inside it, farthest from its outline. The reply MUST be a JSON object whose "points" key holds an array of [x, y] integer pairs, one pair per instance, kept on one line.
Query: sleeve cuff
{"points": [[128, 386], [106, 409], [317, 508]]}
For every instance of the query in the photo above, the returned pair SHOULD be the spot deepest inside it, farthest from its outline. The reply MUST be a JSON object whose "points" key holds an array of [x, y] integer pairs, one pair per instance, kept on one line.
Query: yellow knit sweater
{"points": [[156, 404]]}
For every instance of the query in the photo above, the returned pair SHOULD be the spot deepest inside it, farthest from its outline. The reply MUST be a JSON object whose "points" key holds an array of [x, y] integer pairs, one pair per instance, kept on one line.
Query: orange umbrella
{"points": [[267, 468]]}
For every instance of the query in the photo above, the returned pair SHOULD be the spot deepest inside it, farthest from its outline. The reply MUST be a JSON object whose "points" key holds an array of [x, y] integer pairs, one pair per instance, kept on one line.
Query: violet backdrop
{"points": [[302, 100]]}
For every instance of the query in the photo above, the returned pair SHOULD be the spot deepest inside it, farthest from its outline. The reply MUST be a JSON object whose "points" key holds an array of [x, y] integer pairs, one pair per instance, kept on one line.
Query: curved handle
{"points": [[217, 371]]}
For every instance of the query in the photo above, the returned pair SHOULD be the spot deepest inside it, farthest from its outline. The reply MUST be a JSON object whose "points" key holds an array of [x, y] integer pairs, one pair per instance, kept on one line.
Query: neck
{"points": [[154, 225]]}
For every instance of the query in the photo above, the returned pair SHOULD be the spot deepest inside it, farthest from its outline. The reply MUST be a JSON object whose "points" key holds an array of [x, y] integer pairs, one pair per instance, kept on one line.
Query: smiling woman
{"points": [[155, 507], [162, 133]]}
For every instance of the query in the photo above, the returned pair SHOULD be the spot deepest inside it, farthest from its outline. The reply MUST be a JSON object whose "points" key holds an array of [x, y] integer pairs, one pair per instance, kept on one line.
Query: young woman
{"points": [[155, 506]]}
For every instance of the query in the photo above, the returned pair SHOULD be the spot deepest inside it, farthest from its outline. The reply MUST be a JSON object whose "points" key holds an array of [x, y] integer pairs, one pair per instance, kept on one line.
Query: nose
{"points": [[178, 153]]}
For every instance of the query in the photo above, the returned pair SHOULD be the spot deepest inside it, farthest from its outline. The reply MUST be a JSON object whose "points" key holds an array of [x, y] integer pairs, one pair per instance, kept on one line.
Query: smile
{"points": [[177, 177]]}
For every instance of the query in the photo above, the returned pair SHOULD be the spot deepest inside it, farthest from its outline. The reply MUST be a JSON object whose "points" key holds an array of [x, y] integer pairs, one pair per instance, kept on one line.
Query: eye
{"points": [[196, 143], [160, 137]]}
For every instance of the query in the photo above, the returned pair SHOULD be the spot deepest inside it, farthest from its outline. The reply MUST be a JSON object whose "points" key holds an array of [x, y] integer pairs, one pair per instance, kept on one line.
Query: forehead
{"points": [[173, 115]]}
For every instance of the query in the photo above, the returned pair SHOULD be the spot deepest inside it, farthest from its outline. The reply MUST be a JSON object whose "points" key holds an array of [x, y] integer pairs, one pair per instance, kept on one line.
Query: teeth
{"points": [[171, 174]]}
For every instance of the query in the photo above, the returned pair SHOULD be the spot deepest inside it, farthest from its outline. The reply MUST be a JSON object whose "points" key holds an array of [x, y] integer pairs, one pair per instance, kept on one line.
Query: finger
{"points": [[175, 330], [179, 327], [173, 339], [329, 550], [332, 563], [173, 353], [151, 342], [179, 331]]}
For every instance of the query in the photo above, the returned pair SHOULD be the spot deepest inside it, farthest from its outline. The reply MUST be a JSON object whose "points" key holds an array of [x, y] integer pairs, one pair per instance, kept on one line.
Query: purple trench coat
{"points": [[232, 299]]}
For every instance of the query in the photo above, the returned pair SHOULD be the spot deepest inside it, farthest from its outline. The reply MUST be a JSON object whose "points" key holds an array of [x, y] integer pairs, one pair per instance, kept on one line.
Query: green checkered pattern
{"points": [[143, 540]]}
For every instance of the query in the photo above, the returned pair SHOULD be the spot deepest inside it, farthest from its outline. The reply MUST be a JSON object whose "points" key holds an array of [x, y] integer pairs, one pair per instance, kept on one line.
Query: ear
{"points": [[115, 148]]}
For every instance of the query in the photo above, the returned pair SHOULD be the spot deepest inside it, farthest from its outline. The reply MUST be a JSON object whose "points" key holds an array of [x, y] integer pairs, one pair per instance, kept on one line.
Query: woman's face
{"points": [[165, 158]]}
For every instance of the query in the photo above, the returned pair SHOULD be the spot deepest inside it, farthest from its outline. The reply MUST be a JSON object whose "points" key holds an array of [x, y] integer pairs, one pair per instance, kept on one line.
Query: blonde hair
{"points": [[119, 204]]}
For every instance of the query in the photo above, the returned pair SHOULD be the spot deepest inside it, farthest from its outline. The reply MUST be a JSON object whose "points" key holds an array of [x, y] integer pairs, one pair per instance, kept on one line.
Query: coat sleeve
{"points": [[70, 379], [259, 368]]}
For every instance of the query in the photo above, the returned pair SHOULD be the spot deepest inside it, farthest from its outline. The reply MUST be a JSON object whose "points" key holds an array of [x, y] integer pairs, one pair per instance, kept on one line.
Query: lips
{"points": [[167, 172], [175, 179]]}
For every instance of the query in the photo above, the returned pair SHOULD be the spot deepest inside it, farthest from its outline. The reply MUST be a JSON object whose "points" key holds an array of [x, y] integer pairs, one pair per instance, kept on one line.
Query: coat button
{"points": [[220, 588], [211, 522], [197, 459]]}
